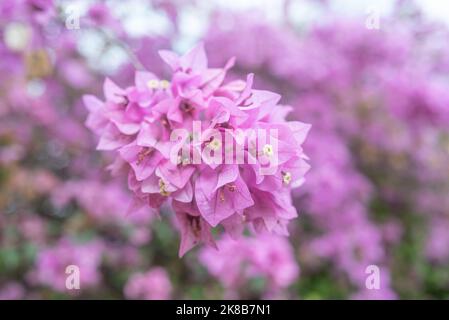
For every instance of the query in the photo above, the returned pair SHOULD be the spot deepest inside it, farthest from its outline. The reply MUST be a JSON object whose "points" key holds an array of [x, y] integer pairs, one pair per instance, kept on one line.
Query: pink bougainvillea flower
{"points": [[152, 285], [269, 257], [52, 262], [235, 162]]}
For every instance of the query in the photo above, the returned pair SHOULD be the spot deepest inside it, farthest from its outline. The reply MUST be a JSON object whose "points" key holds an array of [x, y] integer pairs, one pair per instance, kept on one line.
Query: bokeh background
{"points": [[371, 78]]}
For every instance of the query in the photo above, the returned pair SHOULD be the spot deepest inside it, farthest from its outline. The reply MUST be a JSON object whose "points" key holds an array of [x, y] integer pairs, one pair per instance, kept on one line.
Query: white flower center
{"points": [[268, 150], [153, 84], [163, 188], [215, 144], [17, 36], [286, 177]]}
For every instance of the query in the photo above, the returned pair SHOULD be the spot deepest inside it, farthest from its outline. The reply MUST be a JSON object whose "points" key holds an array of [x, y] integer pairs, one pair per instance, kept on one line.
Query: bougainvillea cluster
{"points": [[376, 193], [199, 172]]}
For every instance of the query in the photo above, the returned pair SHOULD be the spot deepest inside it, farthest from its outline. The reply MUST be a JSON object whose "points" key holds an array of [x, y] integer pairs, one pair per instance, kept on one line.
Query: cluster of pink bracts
{"points": [[138, 123]]}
